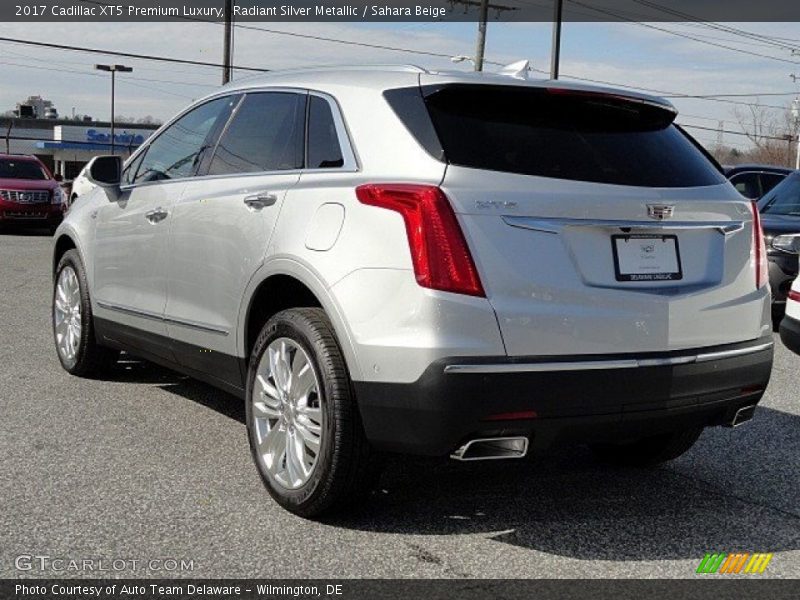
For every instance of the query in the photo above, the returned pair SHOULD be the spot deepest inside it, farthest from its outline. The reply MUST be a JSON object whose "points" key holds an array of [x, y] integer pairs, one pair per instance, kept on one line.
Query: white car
{"points": [[790, 325], [82, 184], [396, 259]]}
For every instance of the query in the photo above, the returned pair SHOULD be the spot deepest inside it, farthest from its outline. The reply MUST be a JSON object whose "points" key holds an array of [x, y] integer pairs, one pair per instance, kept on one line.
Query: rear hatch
{"points": [[596, 225]]}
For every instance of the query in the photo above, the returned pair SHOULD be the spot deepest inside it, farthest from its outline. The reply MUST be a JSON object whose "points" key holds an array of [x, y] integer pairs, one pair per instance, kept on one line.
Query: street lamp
{"points": [[113, 70]]}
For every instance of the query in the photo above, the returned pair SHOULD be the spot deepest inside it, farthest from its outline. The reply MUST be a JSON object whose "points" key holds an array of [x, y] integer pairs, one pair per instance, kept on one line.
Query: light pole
{"points": [[113, 70]]}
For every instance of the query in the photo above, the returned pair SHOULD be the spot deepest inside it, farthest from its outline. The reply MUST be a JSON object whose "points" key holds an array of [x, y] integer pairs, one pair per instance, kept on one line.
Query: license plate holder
{"points": [[646, 257]]}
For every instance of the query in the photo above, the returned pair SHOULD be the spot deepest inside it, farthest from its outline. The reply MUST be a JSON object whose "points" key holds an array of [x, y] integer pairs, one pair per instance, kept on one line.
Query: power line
{"points": [[152, 57]]}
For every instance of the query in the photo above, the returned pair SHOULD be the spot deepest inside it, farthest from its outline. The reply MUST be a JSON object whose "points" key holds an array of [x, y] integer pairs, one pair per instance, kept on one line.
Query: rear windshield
{"points": [[565, 135], [20, 169]]}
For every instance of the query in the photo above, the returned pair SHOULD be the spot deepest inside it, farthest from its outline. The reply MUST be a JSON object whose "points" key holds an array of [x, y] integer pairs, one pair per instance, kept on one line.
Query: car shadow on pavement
{"points": [[25, 231], [130, 369], [734, 490]]}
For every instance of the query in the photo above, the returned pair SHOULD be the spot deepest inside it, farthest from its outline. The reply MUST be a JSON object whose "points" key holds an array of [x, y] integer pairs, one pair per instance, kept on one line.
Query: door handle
{"points": [[156, 216], [259, 201]]}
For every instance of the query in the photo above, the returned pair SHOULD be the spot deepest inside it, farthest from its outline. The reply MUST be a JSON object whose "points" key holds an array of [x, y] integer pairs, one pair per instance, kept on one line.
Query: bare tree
{"points": [[771, 131]]}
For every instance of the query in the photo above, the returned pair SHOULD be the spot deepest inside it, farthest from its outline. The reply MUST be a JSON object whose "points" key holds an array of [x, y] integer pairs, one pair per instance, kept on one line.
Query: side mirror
{"points": [[787, 243], [106, 171]]}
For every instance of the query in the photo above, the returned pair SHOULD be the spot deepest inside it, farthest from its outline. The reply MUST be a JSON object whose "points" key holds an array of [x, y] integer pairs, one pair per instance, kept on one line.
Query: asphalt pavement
{"points": [[148, 465]]}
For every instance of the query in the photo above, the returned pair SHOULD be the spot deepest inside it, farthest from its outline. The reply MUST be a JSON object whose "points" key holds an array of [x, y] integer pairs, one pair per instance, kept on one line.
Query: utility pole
{"points": [[480, 50], [113, 69], [227, 52], [555, 53], [796, 119], [483, 19]]}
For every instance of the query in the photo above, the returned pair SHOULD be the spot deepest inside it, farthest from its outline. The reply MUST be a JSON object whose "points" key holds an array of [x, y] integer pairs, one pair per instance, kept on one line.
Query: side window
{"points": [[324, 151], [769, 181], [747, 185], [177, 150], [129, 172], [265, 134]]}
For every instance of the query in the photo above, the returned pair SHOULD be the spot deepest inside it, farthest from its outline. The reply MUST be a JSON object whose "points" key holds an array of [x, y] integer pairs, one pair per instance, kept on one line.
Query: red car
{"points": [[29, 194]]}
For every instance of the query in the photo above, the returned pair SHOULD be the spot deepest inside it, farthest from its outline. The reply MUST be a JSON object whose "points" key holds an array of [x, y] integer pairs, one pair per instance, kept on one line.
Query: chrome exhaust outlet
{"points": [[492, 449], [743, 415]]}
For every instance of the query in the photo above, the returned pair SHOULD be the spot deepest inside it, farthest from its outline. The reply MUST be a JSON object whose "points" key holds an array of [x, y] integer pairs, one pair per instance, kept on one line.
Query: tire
{"points": [[648, 451], [339, 471], [87, 358]]}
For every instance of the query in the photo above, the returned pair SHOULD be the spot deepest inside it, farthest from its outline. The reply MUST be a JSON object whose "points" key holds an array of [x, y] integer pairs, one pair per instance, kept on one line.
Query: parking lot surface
{"points": [[148, 464]]}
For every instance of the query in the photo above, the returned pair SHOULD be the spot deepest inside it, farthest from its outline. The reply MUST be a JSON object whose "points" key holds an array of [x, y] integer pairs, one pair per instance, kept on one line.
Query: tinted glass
{"points": [[324, 151], [130, 170], [577, 136], [21, 169], [770, 180], [747, 185], [784, 199], [177, 150], [266, 134]]}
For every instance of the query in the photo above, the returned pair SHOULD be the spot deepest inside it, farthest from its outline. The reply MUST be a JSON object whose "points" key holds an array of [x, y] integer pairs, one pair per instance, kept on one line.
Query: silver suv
{"points": [[393, 259]]}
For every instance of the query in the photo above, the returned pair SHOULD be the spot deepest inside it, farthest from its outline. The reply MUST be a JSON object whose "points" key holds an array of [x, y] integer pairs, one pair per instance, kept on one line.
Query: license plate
{"points": [[643, 257]]}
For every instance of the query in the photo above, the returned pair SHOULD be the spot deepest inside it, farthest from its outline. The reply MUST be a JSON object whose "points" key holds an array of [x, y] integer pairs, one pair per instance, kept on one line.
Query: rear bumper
{"points": [[790, 334], [578, 400]]}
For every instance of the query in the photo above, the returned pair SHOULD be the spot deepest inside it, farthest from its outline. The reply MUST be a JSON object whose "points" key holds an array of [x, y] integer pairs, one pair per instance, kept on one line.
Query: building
{"points": [[66, 145], [36, 107]]}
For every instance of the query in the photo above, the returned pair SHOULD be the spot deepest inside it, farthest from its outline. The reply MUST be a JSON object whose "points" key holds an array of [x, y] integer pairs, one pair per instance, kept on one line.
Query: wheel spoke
{"points": [[272, 449], [310, 438], [269, 391], [262, 410], [295, 455]]}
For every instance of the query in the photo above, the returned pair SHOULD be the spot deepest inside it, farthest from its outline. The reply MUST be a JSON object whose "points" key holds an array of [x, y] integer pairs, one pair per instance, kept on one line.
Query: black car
{"points": [[753, 181], [780, 218]]}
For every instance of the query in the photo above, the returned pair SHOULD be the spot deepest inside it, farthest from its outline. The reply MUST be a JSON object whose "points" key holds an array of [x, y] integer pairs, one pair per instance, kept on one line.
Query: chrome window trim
{"points": [[593, 365], [351, 162], [163, 318]]}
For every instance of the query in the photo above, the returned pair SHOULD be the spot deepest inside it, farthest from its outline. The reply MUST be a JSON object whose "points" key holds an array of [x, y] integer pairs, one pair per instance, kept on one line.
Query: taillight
{"points": [[439, 251], [794, 296], [759, 250]]}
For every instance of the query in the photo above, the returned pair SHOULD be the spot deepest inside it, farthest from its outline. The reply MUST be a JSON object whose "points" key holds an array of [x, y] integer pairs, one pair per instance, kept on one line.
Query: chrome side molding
{"points": [[592, 365], [550, 225]]}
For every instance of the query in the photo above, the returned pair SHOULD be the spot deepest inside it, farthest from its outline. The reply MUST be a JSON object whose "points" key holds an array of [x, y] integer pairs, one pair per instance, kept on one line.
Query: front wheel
{"points": [[648, 451], [303, 424], [73, 324]]}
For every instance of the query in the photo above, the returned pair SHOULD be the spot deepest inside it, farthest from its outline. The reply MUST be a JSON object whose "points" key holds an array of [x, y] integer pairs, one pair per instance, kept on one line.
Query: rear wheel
{"points": [[303, 424], [73, 325], [648, 451]]}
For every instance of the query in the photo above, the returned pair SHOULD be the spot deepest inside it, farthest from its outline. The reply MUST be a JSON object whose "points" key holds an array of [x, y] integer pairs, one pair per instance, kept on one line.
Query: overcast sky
{"points": [[622, 53]]}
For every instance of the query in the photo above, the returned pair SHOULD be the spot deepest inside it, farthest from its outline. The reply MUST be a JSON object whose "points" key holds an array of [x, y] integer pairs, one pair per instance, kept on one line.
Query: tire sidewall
{"points": [[301, 332], [71, 259]]}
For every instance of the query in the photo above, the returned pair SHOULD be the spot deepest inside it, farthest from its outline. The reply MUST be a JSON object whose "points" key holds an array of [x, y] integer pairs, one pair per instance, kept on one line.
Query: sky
{"points": [[628, 54]]}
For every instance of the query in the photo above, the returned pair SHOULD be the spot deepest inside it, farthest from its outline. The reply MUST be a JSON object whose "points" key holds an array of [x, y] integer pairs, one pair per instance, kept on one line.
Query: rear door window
{"points": [[747, 185], [324, 150], [566, 135], [265, 134]]}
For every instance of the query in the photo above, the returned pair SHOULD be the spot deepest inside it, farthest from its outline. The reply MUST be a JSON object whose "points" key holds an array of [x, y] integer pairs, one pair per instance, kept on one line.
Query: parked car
{"points": [[29, 194], [780, 218], [753, 181], [81, 185], [430, 263], [790, 325]]}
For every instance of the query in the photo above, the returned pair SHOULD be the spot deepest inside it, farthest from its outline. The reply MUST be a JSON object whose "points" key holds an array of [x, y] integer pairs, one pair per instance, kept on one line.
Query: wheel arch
{"points": [[286, 284], [62, 245]]}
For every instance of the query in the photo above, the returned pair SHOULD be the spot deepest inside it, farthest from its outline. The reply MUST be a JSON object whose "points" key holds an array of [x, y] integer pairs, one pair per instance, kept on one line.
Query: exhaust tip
{"points": [[742, 416], [492, 449]]}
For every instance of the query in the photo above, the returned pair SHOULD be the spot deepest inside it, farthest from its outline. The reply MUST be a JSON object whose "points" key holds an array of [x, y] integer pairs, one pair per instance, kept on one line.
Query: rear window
{"points": [[21, 169], [565, 135]]}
